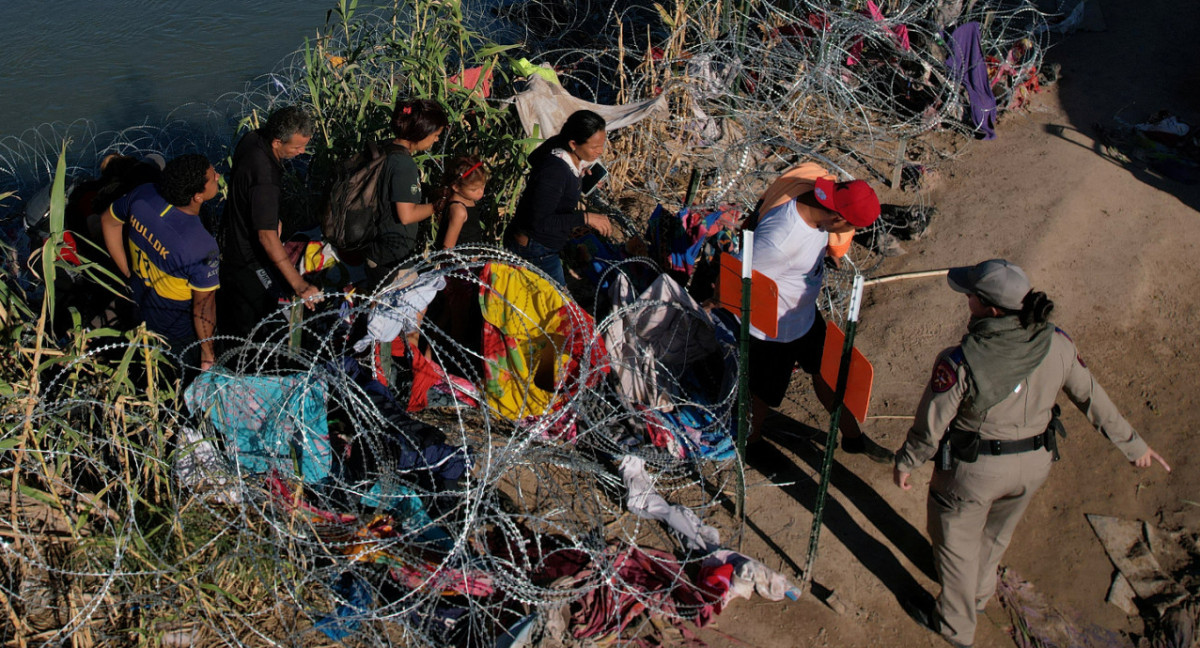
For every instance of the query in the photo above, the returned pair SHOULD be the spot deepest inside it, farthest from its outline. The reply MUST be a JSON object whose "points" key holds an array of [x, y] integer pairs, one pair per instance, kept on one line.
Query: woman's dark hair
{"points": [[417, 119], [581, 125], [578, 128], [182, 178], [1035, 309]]}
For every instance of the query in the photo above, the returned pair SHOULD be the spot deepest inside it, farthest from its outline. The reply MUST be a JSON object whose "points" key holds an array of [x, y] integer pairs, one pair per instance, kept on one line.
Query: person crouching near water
{"points": [[416, 125], [462, 188], [989, 421], [549, 207]]}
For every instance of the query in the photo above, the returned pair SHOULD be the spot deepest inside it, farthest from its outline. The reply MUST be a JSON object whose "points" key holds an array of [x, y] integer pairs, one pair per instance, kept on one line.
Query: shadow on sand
{"points": [[875, 555]]}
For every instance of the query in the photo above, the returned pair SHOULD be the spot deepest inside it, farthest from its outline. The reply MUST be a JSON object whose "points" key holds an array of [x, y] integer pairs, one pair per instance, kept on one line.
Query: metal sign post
{"points": [[743, 374], [834, 421]]}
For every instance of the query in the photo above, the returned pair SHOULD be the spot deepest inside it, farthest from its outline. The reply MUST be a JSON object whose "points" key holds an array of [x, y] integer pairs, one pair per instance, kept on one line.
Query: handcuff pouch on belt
{"points": [[966, 446]]}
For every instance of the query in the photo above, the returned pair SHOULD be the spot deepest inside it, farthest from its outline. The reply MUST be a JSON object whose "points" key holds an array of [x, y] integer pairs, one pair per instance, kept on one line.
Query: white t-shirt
{"points": [[792, 253]]}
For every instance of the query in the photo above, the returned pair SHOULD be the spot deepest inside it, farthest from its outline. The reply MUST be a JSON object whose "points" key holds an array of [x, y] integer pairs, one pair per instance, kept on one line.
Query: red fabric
{"points": [[69, 251], [643, 576], [1011, 68], [899, 34], [285, 497], [377, 364], [470, 79], [442, 579], [563, 562], [425, 374], [660, 435], [715, 581]]}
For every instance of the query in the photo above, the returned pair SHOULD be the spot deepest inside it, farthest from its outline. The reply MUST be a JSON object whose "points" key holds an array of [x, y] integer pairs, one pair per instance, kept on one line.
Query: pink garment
{"points": [[443, 579], [289, 500], [660, 435], [899, 34]]}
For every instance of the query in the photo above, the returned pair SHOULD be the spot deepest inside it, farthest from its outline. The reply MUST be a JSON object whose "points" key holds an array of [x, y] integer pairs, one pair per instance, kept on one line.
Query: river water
{"points": [[120, 63]]}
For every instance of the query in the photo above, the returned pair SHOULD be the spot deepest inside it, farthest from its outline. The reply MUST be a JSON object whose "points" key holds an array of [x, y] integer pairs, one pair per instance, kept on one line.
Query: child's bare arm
{"points": [[455, 220]]}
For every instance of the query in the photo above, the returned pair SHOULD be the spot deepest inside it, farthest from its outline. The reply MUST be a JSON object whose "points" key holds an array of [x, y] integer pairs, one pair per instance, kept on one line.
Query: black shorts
{"points": [[771, 363]]}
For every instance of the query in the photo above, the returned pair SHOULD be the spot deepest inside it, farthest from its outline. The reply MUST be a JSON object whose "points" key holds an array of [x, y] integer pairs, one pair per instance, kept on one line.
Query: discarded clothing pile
{"points": [[672, 368], [539, 350]]}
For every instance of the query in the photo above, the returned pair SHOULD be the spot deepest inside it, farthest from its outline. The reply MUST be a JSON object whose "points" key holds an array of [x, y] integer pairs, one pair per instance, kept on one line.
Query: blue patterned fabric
{"points": [[269, 422]]}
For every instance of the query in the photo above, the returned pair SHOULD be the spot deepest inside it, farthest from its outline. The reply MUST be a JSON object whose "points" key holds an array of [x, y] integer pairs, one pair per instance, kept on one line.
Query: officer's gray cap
{"points": [[995, 281]]}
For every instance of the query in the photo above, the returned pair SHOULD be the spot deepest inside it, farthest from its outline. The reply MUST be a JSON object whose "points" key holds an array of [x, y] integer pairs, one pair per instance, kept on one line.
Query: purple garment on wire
{"points": [[967, 66]]}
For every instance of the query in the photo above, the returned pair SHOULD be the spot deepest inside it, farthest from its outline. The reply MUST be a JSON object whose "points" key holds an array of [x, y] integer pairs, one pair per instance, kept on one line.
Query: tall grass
{"points": [[363, 61], [91, 519]]}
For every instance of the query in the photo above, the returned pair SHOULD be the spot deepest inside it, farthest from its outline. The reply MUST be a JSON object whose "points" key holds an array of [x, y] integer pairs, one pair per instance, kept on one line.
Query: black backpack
{"points": [[350, 220]]}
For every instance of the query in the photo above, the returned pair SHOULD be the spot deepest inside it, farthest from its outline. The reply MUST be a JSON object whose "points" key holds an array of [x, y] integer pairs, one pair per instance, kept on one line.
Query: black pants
{"points": [[248, 294]]}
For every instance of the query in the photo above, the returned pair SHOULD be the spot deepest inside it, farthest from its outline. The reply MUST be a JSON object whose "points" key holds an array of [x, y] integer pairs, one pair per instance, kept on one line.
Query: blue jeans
{"points": [[539, 255]]}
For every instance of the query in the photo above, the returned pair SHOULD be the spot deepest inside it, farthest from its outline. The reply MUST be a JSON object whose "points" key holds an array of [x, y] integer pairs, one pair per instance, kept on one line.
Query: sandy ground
{"points": [[1116, 248]]}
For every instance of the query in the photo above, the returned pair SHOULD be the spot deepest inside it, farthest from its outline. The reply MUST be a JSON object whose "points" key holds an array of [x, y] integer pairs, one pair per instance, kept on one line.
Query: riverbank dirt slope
{"points": [[1116, 247]]}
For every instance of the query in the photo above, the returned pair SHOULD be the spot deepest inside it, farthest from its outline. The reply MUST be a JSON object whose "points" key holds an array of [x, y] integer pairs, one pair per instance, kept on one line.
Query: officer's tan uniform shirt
{"points": [[1024, 413]]}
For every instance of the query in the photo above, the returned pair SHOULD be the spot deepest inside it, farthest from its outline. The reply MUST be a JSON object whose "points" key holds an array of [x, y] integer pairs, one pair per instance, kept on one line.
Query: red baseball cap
{"points": [[854, 201]]}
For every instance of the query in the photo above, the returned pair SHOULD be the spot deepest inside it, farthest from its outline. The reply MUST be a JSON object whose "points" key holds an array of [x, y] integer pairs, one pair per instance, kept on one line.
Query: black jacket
{"points": [[548, 209]]}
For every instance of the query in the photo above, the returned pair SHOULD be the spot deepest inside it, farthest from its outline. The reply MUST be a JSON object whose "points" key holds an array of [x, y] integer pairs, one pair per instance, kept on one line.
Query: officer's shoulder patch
{"points": [[944, 376], [1078, 358], [957, 356]]}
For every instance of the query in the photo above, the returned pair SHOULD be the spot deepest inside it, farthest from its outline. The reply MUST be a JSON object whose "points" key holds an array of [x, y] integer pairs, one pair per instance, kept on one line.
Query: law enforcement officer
{"points": [[988, 420]]}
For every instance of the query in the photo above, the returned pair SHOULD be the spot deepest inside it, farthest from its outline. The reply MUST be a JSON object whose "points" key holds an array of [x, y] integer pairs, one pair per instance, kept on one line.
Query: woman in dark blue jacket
{"points": [[549, 208]]}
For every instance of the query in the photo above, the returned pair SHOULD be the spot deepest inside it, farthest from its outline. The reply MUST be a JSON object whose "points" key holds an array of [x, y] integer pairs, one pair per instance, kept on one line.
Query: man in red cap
{"points": [[790, 243]]}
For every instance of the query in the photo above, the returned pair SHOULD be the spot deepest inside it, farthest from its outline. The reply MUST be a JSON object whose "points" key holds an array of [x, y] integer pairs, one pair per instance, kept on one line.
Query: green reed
{"points": [[87, 437], [356, 70], [89, 415]]}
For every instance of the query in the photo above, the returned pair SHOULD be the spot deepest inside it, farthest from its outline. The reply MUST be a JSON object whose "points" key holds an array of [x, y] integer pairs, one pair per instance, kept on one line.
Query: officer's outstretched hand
{"points": [[1148, 459], [901, 479]]}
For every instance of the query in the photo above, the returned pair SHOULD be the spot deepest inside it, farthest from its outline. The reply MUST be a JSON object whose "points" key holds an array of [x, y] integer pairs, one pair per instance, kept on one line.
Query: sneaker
{"points": [[864, 445]]}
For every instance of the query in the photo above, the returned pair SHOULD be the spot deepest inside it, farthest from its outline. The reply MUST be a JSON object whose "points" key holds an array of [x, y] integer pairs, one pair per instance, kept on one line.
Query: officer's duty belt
{"points": [[996, 447]]}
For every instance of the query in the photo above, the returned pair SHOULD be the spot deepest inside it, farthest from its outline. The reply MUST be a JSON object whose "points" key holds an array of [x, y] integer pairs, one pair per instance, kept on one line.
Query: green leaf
{"points": [[213, 588], [58, 204], [665, 17], [27, 491], [493, 49]]}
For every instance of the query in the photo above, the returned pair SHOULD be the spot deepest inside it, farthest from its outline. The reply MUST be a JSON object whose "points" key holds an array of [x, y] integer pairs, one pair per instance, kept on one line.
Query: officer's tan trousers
{"points": [[973, 510]]}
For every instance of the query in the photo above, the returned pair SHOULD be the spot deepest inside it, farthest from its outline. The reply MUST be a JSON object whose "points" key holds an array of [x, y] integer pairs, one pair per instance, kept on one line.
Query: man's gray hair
{"points": [[286, 122]]}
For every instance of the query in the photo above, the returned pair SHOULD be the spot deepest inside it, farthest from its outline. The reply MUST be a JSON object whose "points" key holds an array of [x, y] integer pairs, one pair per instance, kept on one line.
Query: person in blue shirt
{"points": [[157, 241]]}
